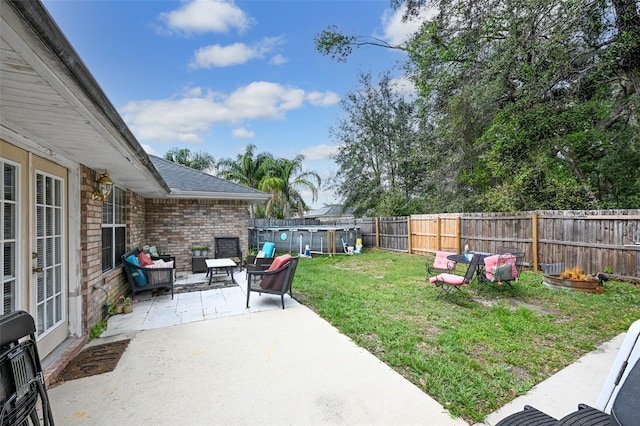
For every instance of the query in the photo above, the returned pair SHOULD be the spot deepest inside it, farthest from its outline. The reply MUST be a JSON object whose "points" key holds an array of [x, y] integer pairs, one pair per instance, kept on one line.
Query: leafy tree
{"points": [[201, 161], [380, 149], [534, 103]]}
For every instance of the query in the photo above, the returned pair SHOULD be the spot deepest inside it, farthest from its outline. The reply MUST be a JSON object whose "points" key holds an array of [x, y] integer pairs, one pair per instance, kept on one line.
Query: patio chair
{"points": [[148, 277], [447, 282], [618, 403], [228, 248], [275, 280], [441, 264], [22, 381], [501, 270], [262, 260]]}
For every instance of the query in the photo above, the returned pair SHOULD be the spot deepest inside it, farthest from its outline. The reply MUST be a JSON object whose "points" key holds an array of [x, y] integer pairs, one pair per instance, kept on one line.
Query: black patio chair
{"points": [[275, 280], [22, 381], [228, 248], [447, 282], [501, 271]]}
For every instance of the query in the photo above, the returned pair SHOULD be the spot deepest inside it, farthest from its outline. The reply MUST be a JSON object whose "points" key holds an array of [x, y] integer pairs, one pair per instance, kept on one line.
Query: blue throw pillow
{"points": [[138, 274]]}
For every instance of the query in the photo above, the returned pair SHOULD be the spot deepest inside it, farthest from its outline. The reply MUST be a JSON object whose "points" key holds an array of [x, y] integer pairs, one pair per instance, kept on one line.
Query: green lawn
{"points": [[473, 357]]}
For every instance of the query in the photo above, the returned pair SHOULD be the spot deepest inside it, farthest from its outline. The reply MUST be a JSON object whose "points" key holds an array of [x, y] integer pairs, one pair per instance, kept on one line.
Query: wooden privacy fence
{"points": [[593, 240]]}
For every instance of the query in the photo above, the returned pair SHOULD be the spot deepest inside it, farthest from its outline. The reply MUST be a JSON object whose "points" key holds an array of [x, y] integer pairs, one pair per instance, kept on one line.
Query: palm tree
{"points": [[292, 180], [245, 169], [201, 161], [280, 177]]}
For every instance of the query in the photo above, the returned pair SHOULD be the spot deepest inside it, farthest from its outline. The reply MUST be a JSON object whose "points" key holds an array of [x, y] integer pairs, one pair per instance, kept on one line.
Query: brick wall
{"points": [[91, 246], [136, 231], [174, 226]]}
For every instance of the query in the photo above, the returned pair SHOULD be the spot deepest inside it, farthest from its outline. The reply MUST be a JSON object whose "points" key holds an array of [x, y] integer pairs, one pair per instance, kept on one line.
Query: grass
{"points": [[471, 356]]}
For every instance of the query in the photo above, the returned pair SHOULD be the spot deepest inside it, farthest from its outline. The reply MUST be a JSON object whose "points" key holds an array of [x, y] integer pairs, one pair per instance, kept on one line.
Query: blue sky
{"points": [[215, 76]]}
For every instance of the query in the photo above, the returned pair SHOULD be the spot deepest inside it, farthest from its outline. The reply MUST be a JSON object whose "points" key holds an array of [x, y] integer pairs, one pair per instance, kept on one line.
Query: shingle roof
{"points": [[332, 210], [186, 182]]}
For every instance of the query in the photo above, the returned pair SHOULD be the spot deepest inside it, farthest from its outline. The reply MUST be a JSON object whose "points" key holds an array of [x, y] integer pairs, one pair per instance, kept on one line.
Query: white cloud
{"points": [[395, 31], [243, 133], [233, 54], [319, 152], [203, 16], [327, 98], [189, 116], [278, 60], [222, 56]]}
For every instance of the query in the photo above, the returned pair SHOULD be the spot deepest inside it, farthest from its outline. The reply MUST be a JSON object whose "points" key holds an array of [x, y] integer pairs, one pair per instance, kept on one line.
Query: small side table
{"points": [[228, 264]]}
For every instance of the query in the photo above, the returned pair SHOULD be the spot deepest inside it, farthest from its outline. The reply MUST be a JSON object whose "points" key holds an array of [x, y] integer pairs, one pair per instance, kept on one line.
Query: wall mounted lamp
{"points": [[104, 185]]}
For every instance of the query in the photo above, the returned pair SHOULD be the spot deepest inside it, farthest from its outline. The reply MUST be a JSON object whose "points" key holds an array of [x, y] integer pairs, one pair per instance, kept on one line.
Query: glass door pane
{"points": [[8, 234], [50, 246]]}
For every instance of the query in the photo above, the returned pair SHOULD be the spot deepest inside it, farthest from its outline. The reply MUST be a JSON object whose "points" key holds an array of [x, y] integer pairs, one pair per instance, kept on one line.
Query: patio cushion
{"points": [[144, 259], [502, 272], [448, 278], [490, 262], [268, 249], [441, 261], [278, 263], [138, 275]]}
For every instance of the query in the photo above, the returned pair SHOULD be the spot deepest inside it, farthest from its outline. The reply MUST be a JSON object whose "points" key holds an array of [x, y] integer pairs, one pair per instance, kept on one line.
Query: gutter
{"points": [[251, 198]]}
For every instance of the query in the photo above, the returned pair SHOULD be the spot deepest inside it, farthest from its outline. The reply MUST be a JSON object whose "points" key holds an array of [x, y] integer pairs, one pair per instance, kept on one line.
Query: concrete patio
{"points": [[161, 311], [265, 365]]}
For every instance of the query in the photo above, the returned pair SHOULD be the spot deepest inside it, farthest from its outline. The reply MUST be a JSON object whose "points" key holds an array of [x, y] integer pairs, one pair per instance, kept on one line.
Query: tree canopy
{"points": [[280, 177], [522, 105]]}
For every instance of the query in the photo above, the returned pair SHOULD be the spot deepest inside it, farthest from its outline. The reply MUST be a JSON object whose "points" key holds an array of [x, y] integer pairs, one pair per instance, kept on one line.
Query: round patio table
{"points": [[461, 258]]}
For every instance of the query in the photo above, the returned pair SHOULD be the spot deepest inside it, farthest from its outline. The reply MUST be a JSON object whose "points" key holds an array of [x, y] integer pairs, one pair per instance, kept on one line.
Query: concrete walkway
{"points": [[270, 367]]}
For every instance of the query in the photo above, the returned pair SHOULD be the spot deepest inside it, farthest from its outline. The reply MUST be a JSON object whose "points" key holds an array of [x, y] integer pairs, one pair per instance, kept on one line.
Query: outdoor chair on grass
{"points": [[275, 280], [448, 281], [143, 273], [501, 270], [441, 264], [619, 400], [21, 375]]}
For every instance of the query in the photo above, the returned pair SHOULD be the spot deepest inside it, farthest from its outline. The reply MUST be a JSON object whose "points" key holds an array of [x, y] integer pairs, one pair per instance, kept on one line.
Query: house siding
{"points": [[174, 226]]}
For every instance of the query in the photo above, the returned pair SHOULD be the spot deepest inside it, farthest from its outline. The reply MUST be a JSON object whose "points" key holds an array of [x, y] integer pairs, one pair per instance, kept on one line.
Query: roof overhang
{"points": [[249, 198], [50, 102]]}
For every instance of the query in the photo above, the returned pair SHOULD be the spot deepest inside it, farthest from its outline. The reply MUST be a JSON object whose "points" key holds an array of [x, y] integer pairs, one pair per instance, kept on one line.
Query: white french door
{"points": [[33, 242], [49, 266]]}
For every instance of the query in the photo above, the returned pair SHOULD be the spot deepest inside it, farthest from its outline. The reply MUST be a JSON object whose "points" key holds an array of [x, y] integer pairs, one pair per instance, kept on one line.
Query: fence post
{"points": [[377, 232], [409, 234], [534, 242], [459, 234], [438, 235]]}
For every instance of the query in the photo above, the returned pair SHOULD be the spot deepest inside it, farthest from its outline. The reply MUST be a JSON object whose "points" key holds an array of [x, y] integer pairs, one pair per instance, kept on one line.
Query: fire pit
{"points": [[555, 276]]}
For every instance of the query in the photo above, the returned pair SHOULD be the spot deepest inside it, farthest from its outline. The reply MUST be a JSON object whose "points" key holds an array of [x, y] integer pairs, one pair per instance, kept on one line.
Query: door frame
{"points": [[25, 152]]}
